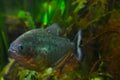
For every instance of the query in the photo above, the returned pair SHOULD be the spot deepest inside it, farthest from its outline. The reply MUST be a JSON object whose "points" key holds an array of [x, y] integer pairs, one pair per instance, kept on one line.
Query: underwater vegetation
{"points": [[99, 21]]}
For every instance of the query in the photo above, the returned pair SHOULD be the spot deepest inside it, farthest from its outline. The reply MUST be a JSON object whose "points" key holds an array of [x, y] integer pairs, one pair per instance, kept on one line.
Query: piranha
{"points": [[39, 49]]}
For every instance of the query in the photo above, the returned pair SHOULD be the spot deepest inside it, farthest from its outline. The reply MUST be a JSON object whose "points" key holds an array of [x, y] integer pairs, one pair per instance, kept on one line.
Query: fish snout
{"points": [[11, 50], [15, 48]]}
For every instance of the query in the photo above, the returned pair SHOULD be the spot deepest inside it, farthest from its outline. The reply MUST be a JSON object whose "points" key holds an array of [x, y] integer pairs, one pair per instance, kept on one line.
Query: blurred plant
{"points": [[27, 18], [49, 9], [3, 44]]}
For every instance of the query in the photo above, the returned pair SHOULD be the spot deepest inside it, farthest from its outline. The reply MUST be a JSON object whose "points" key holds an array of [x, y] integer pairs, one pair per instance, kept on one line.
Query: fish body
{"points": [[38, 49]]}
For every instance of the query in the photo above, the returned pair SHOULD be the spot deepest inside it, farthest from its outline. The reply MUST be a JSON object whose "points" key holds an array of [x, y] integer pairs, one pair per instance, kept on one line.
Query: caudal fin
{"points": [[78, 49]]}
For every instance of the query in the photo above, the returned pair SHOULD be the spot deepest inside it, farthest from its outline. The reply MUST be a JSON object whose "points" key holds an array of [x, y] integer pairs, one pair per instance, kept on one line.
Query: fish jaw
{"points": [[26, 62]]}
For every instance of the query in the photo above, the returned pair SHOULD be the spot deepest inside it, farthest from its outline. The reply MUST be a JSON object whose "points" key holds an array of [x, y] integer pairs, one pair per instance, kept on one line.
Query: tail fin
{"points": [[78, 51]]}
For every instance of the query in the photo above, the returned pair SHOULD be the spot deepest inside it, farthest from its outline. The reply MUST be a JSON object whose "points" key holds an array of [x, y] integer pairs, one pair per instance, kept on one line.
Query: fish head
{"points": [[20, 46], [23, 50]]}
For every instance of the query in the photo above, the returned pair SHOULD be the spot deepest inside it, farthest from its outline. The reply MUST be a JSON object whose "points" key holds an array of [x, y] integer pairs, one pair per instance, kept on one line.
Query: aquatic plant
{"points": [[3, 44]]}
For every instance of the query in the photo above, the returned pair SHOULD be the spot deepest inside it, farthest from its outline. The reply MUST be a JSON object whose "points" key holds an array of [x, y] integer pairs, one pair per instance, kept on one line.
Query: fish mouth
{"points": [[14, 53], [23, 60]]}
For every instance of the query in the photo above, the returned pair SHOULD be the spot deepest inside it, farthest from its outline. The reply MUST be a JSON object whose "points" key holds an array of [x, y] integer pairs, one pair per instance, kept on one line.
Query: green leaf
{"points": [[80, 5], [22, 14], [27, 19]]}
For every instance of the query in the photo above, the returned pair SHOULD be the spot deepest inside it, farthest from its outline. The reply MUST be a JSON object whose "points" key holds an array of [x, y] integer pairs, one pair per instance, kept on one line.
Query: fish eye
{"points": [[20, 47]]}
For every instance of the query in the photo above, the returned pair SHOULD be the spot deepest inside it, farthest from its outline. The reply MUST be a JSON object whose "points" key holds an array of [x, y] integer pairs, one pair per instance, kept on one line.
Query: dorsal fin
{"points": [[54, 29]]}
